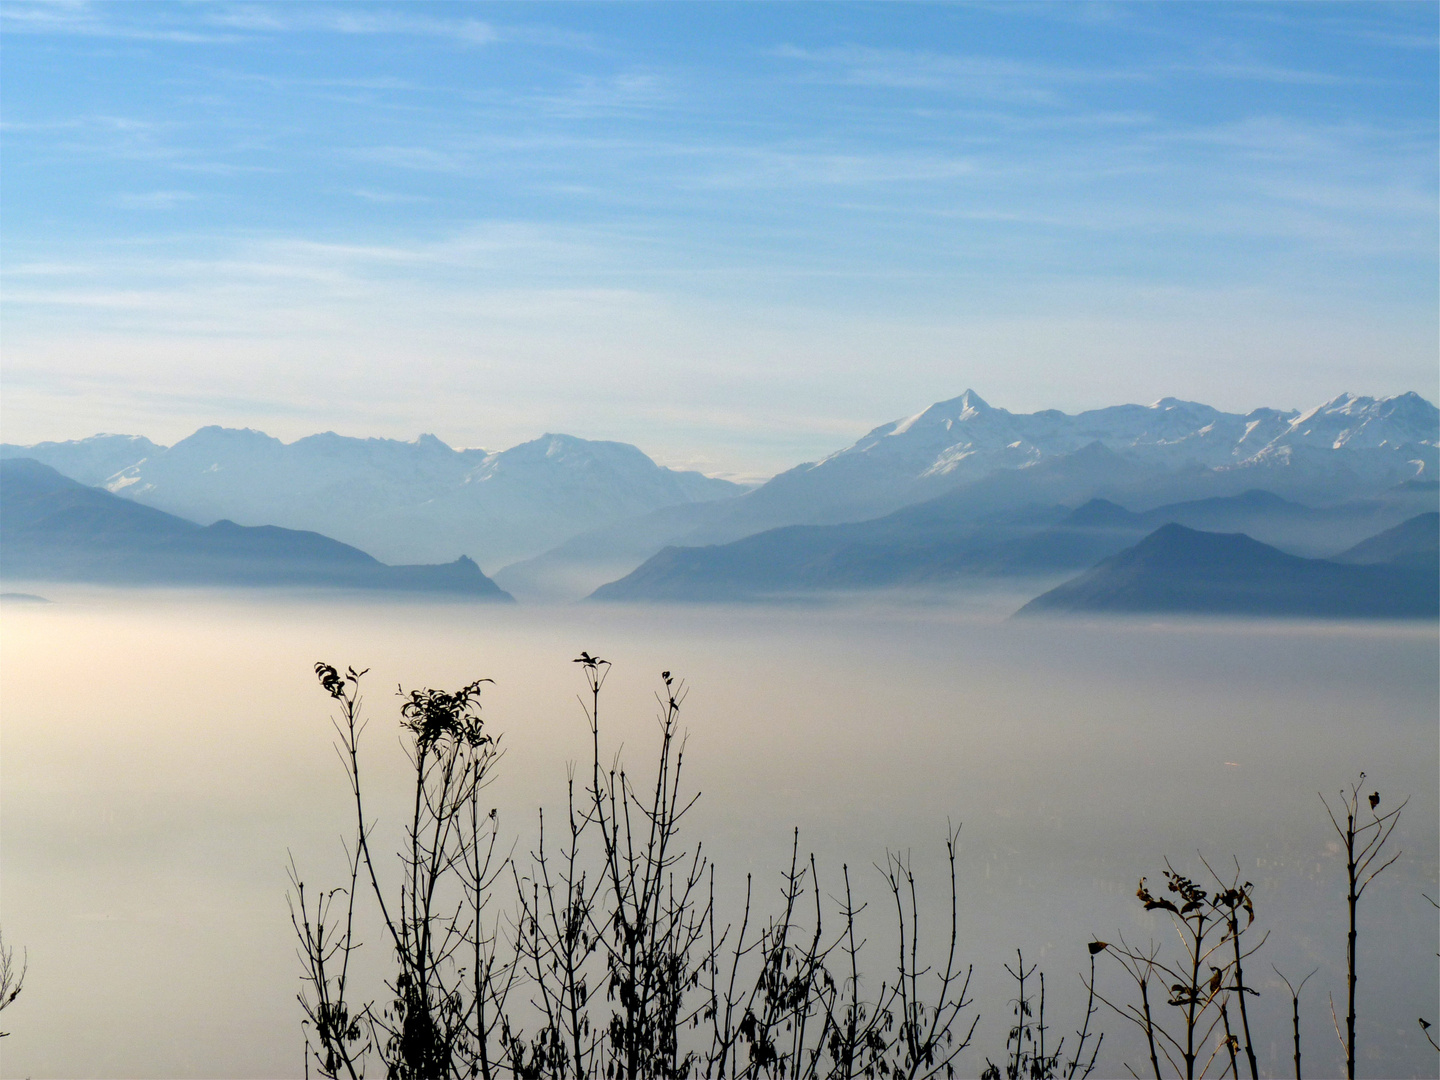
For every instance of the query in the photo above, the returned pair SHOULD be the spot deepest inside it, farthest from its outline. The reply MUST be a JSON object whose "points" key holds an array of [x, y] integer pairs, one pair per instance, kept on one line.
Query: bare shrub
{"points": [[1200, 984], [1027, 1057]]}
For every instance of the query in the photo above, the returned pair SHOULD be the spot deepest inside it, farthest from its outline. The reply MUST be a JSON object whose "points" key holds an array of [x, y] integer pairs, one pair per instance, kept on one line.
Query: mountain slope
{"points": [[930, 541], [91, 461], [1415, 542], [53, 528], [1183, 571], [574, 569], [974, 531]]}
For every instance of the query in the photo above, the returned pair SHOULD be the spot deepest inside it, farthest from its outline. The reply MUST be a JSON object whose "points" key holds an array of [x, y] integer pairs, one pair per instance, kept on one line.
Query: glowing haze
{"points": [[737, 236]]}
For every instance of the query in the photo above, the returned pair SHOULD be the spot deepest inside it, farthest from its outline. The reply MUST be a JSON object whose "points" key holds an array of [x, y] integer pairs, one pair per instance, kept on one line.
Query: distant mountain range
{"points": [[1178, 570], [991, 461], [961, 488], [1322, 455], [55, 529], [419, 501]]}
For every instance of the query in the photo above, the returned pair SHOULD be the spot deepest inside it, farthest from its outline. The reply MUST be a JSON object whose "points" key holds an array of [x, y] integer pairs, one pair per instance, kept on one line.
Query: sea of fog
{"points": [[163, 755]]}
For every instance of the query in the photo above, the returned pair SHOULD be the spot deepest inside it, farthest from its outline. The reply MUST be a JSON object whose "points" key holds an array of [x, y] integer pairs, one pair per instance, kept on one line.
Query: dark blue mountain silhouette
{"points": [[53, 528], [1181, 570], [1411, 543], [976, 532]]}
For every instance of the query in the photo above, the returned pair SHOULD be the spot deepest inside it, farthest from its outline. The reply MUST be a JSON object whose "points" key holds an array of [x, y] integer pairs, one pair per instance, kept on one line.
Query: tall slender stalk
{"points": [[1294, 1010], [1364, 847]]}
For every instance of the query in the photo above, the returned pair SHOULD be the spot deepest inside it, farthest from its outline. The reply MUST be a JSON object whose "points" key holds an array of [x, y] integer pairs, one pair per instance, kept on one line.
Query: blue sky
{"points": [[735, 235]]}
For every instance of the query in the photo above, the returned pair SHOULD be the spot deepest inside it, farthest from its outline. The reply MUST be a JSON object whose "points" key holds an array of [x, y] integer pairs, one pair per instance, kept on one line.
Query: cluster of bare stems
{"points": [[1027, 1057], [613, 961], [447, 997], [1207, 979], [1201, 984]]}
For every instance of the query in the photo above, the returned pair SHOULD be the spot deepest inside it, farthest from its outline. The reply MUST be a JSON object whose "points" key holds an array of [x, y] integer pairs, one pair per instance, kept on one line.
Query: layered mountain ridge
{"points": [[563, 515], [944, 544]]}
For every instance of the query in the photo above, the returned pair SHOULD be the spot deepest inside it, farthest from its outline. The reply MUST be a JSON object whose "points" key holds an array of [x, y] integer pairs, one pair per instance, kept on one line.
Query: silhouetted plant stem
{"points": [[1295, 1019], [1149, 1026], [1364, 844], [1078, 1062], [438, 1019], [1294, 1010], [1030, 1058], [1022, 1009], [1230, 1041], [1229, 901], [847, 1057], [1204, 921], [1425, 1024], [1240, 991]]}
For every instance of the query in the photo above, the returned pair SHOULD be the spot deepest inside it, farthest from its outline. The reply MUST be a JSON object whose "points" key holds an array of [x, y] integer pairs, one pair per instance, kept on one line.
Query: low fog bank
{"points": [[162, 752]]}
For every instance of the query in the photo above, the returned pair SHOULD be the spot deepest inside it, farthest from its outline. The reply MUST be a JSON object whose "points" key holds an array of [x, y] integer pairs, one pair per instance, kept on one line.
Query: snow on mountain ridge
{"points": [[1364, 422], [939, 439], [90, 461]]}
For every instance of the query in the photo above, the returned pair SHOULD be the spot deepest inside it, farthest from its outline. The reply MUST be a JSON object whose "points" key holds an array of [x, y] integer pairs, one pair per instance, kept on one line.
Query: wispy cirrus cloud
{"points": [[1238, 66], [622, 93], [386, 197], [153, 200], [987, 77], [366, 20], [104, 21], [404, 20], [208, 24], [232, 23], [416, 158]]}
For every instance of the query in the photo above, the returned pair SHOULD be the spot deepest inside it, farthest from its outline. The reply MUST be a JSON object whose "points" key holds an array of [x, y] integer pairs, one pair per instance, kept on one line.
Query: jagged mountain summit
{"points": [[1384, 441], [418, 501]]}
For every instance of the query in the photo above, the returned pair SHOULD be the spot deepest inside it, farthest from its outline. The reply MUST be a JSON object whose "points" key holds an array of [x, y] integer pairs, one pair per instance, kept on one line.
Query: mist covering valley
{"points": [[163, 750]]}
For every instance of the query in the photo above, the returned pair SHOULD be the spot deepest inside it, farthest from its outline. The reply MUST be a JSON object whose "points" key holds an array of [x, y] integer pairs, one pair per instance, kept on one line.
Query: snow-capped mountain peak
{"points": [[1356, 422], [966, 438]]}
